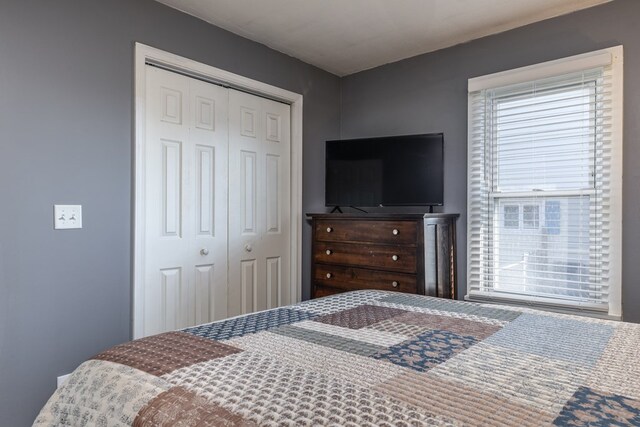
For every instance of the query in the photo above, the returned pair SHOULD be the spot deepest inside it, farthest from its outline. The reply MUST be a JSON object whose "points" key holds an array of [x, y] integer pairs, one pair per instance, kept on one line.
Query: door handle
{"points": [[204, 251], [248, 248]]}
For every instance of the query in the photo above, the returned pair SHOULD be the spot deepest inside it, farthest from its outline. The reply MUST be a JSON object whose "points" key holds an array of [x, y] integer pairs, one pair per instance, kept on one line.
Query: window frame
{"points": [[612, 58]]}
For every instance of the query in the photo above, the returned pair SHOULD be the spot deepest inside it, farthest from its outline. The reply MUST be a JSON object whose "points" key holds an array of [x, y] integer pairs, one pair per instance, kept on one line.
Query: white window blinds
{"points": [[544, 187]]}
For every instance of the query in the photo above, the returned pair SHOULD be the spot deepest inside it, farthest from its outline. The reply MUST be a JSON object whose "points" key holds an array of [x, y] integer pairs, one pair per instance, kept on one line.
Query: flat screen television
{"points": [[387, 171]]}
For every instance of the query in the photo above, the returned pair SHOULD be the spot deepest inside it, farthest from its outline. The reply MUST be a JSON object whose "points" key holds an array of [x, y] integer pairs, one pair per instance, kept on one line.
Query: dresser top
{"points": [[387, 216]]}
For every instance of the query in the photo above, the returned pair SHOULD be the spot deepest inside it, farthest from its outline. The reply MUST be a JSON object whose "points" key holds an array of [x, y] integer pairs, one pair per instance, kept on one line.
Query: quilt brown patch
{"points": [[361, 316], [179, 406], [470, 406], [164, 353], [458, 326]]}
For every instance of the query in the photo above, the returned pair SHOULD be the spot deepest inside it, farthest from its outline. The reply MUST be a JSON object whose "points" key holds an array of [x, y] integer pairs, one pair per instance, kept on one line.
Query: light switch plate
{"points": [[67, 216]]}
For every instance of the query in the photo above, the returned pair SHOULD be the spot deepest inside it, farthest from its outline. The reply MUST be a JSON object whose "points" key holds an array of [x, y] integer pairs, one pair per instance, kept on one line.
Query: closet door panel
{"points": [[185, 193], [259, 201]]}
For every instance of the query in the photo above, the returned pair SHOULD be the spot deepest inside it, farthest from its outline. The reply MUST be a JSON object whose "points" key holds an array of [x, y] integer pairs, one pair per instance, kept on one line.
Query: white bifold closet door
{"points": [[186, 202], [217, 202], [259, 200]]}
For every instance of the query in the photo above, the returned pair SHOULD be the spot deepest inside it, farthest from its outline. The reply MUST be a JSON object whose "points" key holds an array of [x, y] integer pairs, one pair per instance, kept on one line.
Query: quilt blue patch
{"points": [[556, 338], [249, 324], [426, 350], [589, 407]]}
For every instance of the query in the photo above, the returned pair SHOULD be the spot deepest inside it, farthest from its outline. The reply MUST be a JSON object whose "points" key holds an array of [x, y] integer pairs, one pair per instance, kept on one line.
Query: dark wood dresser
{"points": [[414, 253]]}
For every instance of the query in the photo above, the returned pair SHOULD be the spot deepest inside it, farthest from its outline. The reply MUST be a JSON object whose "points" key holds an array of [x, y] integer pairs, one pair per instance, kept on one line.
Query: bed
{"points": [[365, 358]]}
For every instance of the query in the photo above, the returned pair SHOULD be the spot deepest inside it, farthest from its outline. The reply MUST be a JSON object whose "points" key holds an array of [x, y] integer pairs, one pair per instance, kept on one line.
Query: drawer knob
{"points": [[395, 232], [329, 275], [329, 229], [394, 284], [328, 252], [394, 257]]}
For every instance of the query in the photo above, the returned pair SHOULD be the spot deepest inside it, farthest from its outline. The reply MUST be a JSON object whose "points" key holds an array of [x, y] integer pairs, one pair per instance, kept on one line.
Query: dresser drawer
{"points": [[321, 291], [351, 278], [386, 232], [384, 257]]}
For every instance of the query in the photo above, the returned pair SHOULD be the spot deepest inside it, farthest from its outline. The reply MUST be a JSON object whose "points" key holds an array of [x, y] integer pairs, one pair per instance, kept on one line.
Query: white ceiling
{"points": [[347, 36]]}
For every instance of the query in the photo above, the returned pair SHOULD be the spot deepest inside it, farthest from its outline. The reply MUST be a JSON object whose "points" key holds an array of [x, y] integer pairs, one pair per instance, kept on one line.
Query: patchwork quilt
{"points": [[365, 358]]}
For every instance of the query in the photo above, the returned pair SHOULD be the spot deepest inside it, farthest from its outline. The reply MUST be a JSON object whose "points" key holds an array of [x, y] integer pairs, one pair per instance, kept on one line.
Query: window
{"points": [[531, 216], [512, 216], [552, 217], [545, 182]]}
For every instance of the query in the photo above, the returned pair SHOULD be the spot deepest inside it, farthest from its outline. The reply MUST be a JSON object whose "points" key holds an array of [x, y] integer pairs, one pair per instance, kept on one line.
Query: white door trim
{"points": [[146, 54]]}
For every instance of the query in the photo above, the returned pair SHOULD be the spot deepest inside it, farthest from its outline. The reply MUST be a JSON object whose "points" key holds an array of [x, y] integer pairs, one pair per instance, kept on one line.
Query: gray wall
{"points": [[428, 93], [65, 136]]}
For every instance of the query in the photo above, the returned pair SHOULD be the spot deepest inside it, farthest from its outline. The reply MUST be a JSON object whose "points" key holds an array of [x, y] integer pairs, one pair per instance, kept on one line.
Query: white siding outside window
{"points": [[545, 181]]}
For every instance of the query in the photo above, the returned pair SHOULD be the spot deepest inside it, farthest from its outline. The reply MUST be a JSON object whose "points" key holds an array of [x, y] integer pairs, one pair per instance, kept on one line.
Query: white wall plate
{"points": [[67, 216]]}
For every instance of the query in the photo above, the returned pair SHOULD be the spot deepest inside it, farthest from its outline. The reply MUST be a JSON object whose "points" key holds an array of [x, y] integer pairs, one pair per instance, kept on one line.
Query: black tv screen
{"points": [[387, 171]]}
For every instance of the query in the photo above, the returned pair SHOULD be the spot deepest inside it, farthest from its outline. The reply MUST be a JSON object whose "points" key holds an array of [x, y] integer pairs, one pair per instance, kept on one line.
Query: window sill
{"points": [[563, 308]]}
